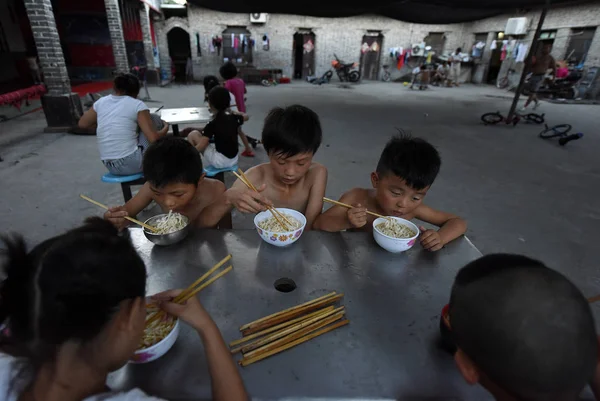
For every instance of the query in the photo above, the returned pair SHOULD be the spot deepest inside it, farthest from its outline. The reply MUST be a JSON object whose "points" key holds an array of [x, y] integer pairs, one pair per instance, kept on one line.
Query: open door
{"points": [[304, 54], [370, 56]]}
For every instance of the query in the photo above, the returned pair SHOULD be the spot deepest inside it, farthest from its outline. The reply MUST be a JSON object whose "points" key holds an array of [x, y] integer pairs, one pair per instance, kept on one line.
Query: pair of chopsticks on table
{"points": [[280, 217], [194, 288], [280, 331], [351, 207], [149, 227]]}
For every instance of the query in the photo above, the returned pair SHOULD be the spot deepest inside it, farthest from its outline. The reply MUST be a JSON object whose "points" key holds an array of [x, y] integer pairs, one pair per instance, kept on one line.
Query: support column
{"points": [[163, 52], [152, 75], [61, 107], [115, 26]]}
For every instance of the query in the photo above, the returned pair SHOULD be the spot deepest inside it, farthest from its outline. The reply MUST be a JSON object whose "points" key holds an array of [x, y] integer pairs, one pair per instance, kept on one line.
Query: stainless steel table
{"points": [[185, 115], [393, 301]]}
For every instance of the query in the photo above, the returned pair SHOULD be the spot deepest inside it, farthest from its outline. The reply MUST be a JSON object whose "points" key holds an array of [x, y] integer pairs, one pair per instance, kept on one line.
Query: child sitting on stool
{"points": [[223, 130]]}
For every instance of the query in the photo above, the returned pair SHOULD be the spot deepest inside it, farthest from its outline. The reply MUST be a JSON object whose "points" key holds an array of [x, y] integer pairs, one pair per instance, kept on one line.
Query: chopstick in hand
{"points": [[352, 207], [281, 219], [149, 227]]}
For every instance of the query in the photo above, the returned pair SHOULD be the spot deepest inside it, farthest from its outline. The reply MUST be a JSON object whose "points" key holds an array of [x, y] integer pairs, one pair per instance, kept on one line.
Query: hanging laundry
{"points": [[219, 44], [522, 53], [429, 56], [364, 48], [375, 47], [401, 60], [494, 45], [236, 44], [211, 45]]}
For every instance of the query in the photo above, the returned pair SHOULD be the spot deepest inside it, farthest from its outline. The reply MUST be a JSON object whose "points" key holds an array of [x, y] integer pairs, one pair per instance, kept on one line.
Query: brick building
{"points": [[346, 36]]}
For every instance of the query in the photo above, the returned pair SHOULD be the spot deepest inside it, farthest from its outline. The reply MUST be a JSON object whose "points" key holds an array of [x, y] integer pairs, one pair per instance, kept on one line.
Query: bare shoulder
{"points": [[356, 195], [316, 171], [212, 188], [259, 172]]}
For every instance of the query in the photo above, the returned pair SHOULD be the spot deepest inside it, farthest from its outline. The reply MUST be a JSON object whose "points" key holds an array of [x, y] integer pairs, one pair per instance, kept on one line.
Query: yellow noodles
{"points": [[271, 224], [156, 331], [170, 223], [392, 228]]}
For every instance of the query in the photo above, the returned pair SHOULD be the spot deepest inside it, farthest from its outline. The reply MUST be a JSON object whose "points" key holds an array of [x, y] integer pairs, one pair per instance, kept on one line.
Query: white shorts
{"points": [[215, 159]]}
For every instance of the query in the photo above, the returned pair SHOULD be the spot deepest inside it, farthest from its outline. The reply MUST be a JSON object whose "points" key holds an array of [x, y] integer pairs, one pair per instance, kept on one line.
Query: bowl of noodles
{"points": [[395, 234], [273, 233], [158, 338], [172, 227]]}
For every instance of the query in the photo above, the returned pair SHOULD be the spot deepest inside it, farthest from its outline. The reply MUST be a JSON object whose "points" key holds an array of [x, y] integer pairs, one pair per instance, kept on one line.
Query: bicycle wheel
{"points": [[557, 130], [492, 118], [534, 118]]}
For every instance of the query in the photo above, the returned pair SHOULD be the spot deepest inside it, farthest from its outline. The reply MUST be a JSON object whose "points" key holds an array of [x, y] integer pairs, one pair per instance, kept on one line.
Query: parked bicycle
{"points": [[497, 117], [560, 131]]}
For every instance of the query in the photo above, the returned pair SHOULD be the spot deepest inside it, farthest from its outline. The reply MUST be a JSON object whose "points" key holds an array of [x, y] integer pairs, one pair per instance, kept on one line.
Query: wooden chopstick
{"points": [[350, 207], [275, 328], [192, 290], [248, 361], [287, 331], [149, 227], [593, 299], [273, 211], [291, 315], [262, 319], [294, 335]]}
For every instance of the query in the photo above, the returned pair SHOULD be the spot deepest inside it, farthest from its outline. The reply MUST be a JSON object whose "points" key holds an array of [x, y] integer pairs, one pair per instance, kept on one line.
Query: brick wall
{"points": [[342, 36], [45, 34], [115, 26]]}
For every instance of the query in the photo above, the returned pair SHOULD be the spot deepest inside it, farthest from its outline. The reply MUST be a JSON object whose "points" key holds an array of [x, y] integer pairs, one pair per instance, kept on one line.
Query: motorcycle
{"points": [[562, 88], [345, 72]]}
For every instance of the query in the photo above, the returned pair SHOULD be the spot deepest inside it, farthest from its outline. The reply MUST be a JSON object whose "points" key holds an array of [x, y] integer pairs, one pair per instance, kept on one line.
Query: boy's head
{"points": [[523, 331], [173, 168], [406, 169], [218, 99], [228, 70], [210, 81], [291, 137]]}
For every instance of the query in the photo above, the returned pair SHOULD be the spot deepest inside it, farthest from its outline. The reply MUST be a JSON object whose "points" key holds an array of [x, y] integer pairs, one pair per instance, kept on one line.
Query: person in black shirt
{"points": [[222, 131]]}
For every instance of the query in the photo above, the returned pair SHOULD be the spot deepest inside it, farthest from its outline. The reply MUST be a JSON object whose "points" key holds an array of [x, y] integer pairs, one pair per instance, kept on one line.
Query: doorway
{"points": [[304, 54], [370, 56], [178, 41]]}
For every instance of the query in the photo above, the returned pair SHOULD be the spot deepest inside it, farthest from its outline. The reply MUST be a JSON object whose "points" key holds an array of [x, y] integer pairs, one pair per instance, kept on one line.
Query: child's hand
{"points": [[248, 201], [357, 215], [116, 215], [191, 312], [430, 239]]}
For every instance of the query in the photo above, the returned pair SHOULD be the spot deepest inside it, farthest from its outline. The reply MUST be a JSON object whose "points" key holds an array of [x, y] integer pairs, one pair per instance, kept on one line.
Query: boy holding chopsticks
{"points": [[291, 179], [406, 169], [175, 180]]}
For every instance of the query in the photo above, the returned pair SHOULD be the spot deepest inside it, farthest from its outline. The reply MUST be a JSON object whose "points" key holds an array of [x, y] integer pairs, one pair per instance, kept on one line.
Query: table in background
{"points": [[185, 115], [393, 302]]}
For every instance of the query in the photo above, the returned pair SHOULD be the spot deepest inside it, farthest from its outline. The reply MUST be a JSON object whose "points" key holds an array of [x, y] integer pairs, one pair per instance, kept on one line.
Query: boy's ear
{"points": [[374, 179], [466, 367], [203, 176]]}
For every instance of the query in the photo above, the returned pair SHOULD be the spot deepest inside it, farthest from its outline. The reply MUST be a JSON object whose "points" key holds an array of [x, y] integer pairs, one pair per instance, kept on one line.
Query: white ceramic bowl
{"points": [[280, 239], [157, 350], [391, 244]]}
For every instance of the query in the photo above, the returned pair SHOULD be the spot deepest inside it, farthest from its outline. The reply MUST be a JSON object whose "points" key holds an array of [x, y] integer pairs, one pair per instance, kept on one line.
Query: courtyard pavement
{"points": [[519, 193]]}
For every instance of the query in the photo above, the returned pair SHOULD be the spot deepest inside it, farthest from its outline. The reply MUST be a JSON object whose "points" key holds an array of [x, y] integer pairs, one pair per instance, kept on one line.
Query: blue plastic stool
{"points": [[126, 182], [218, 173]]}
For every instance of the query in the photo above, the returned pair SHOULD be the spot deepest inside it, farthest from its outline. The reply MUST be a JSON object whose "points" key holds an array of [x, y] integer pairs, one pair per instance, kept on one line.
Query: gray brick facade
{"points": [[45, 34], [115, 27], [147, 37]]}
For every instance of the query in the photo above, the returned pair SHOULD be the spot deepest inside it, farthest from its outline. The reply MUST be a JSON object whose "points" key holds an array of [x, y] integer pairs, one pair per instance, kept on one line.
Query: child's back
{"points": [[234, 85]]}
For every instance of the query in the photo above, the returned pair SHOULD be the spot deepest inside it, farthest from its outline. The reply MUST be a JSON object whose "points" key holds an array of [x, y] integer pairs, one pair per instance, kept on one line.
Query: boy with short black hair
{"points": [[175, 180], [291, 179], [523, 331], [407, 168]]}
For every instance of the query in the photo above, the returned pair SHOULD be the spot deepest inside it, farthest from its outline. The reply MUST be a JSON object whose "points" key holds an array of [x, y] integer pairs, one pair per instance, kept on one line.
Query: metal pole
{"points": [[534, 43]]}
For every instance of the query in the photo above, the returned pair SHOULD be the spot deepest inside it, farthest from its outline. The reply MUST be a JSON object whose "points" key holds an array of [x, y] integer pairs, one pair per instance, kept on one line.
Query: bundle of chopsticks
{"points": [[280, 331], [193, 289], [280, 217]]}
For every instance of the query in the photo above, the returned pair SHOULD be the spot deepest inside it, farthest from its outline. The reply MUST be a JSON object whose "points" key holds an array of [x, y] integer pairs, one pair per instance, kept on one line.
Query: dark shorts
{"points": [[535, 82]]}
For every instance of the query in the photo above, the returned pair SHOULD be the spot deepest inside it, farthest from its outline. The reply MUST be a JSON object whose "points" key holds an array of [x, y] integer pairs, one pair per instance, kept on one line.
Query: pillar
{"points": [[163, 52], [115, 27], [61, 107], [152, 75]]}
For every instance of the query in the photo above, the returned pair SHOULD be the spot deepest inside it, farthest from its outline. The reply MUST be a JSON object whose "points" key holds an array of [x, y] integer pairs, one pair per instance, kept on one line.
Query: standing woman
{"points": [[455, 61], [120, 142]]}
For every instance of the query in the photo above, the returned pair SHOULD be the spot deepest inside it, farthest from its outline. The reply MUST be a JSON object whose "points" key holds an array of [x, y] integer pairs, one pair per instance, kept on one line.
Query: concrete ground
{"points": [[518, 192]]}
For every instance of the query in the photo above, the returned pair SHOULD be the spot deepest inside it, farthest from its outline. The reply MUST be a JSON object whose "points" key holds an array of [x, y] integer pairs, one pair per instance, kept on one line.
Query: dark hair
{"points": [[291, 131], [412, 159], [219, 98], [172, 160], [210, 81], [128, 84], [527, 327], [458, 50], [228, 70], [66, 288]]}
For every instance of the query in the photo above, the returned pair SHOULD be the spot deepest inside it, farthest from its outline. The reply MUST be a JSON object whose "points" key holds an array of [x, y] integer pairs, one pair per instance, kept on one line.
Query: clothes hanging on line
{"points": [[522, 53], [494, 45]]}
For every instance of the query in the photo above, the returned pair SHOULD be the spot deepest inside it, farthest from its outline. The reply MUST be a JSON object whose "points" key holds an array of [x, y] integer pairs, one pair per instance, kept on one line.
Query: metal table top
{"points": [[393, 302], [186, 115]]}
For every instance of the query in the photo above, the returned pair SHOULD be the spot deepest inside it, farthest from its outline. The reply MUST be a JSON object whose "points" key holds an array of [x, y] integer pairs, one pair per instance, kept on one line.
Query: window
{"points": [[436, 40], [579, 44], [237, 45], [548, 36]]}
